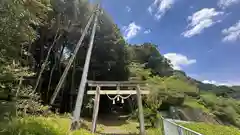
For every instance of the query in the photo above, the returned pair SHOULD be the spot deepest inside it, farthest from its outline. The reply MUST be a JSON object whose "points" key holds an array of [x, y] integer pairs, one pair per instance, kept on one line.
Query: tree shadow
{"points": [[112, 119]]}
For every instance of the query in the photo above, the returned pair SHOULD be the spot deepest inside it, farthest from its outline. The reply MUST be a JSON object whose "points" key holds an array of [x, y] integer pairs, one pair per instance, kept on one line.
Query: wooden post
{"points": [[140, 111], [96, 109], [81, 88]]}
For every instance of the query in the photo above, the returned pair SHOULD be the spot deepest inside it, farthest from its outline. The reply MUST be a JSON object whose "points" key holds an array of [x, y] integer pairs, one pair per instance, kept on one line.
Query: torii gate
{"points": [[118, 92]]}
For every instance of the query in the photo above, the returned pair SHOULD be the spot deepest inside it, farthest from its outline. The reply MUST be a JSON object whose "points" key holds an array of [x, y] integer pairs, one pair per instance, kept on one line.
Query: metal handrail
{"points": [[172, 128]]}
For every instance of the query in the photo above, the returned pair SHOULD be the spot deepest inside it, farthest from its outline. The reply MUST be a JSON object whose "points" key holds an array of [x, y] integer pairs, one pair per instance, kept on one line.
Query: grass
{"points": [[154, 131], [130, 127], [211, 129], [193, 103], [226, 109], [57, 125], [39, 126]]}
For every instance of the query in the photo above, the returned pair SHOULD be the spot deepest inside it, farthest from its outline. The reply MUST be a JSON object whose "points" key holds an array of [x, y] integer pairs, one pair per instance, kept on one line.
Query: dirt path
{"points": [[115, 124], [118, 126]]}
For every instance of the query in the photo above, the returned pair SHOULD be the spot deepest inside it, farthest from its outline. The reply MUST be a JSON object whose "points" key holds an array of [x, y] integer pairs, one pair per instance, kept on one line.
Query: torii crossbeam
{"points": [[128, 89]]}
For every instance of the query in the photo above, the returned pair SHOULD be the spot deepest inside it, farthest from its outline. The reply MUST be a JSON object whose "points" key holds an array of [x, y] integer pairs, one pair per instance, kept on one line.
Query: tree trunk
{"points": [[63, 77], [42, 48], [50, 79], [60, 57], [46, 61], [18, 89], [73, 89]]}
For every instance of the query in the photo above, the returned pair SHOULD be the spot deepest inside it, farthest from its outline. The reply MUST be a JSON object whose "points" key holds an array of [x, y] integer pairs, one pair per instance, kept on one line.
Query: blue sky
{"points": [[201, 37]]}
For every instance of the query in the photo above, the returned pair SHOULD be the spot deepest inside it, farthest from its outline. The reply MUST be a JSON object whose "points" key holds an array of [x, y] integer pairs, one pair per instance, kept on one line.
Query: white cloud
{"points": [[147, 31], [209, 82], [150, 10], [201, 20], [227, 3], [131, 30], [160, 7], [128, 9], [220, 83], [232, 33], [179, 60]]}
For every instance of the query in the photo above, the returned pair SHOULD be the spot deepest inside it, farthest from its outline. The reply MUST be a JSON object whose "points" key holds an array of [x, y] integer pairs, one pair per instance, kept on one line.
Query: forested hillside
{"points": [[37, 37]]}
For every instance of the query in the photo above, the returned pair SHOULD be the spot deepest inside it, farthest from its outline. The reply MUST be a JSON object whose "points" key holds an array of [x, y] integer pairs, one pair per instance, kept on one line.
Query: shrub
{"points": [[226, 109], [29, 126], [8, 110], [39, 126], [194, 103]]}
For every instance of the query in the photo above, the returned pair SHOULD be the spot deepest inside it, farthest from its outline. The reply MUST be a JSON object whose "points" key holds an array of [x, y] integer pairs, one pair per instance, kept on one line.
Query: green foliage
{"points": [[171, 90], [151, 116], [178, 85], [8, 110], [210, 129], [226, 109], [149, 55], [16, 19], [15, 96], [11, 72], [237, 88], [29, 103], [154, 131], [81, 132], [194, 103], [27, 28], [137, 71], [17, 22], [172, 85], [224, 91], [30, 126], [26, 103], [39, 126]]}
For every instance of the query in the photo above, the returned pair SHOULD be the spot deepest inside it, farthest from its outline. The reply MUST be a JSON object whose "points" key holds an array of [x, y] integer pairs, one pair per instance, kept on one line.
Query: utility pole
{"points": [[76, 9], [60, 83], [81, 89]]}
